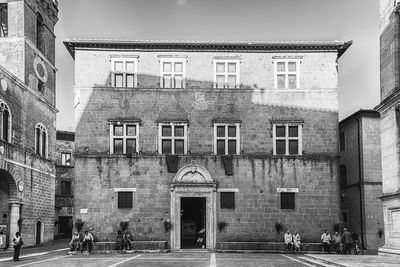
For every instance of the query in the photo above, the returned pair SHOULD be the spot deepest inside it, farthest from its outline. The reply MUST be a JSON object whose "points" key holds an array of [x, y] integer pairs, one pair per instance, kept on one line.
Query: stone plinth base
{"points": [[135, 245], [278, 246], [386, 251]]}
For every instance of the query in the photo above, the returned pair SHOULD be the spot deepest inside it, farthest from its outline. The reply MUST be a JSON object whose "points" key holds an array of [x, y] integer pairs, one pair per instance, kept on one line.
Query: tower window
{"points": [[41, 140], [40, 32], [3, 20], [5, 122]]}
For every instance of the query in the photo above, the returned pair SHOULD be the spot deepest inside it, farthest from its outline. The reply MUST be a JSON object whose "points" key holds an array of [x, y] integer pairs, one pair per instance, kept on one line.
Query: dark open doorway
{"points": [[65, 226], [193, 220], [38, 232]]}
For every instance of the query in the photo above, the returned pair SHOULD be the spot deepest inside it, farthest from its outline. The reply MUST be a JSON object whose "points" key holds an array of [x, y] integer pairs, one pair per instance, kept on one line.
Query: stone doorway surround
{"points": [[193, 180]]}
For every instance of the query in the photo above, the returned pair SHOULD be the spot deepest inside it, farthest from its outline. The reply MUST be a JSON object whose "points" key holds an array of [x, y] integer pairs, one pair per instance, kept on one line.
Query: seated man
{"points": [[74, 244], [87, 242]]}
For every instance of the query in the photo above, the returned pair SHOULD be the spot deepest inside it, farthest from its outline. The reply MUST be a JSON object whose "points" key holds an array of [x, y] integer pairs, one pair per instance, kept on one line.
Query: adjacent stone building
{"points": [[27, 119], [389, 110], [361, 177], [64, 192], [238, 138]]}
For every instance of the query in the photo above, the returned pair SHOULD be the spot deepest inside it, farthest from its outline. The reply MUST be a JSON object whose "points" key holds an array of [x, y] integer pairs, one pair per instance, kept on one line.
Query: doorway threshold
{"points": [[194, 250]]}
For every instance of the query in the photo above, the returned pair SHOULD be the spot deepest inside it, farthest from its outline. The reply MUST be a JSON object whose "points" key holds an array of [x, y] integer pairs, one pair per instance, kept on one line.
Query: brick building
{"points": [[64, 201], [27, 119], [389, 110], [360, 174], [199, 135]]}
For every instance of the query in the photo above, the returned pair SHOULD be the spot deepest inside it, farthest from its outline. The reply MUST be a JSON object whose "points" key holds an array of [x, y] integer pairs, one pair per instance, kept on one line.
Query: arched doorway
{"points": [[39, 232], [9, 207], [193, 186]]}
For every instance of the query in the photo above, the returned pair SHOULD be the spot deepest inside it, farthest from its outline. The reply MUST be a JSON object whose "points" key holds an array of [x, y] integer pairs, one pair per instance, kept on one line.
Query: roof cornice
{"points": [[206, 46]]}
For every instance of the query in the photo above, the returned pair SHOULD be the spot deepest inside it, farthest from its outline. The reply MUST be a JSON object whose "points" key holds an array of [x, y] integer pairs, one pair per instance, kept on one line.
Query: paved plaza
{"points": [[58, 256]]}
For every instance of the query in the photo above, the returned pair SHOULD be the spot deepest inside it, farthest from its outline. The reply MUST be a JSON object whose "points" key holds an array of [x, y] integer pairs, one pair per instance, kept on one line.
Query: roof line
{"points": [[249, 46], [370, 112]]}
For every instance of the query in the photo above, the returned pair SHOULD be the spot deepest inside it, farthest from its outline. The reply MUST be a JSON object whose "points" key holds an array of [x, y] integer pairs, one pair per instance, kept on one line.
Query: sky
{"points": [[262, 20]]}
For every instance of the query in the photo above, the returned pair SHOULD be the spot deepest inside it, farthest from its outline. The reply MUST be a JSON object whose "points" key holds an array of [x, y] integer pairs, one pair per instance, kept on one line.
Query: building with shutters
{"points": [[232, 137], [27, 119]]}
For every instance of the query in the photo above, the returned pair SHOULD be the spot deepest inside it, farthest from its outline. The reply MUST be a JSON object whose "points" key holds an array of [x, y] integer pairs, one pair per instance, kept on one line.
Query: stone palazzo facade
{"points": [[238, 138], [27, 120], [389, 110]]}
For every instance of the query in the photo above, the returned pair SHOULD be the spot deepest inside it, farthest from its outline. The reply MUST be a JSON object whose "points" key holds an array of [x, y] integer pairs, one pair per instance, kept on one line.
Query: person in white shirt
{"points": [[326, 241], [296, 241], [17, 240], [87, 242], [288, 240]]}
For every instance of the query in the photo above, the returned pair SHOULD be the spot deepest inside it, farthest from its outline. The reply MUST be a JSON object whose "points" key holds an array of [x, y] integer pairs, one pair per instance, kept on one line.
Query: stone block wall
{"points": [[360, 196], [37, 176], [257, 208], [389, 49], [92, 133], [257, 173], [27, 110], [19, 50]]}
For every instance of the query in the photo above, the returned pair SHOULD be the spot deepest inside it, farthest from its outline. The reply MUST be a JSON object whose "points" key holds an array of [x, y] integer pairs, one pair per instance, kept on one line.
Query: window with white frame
{"points": [[124, 138], [226, 138], [226, 74], [287, 73], [287, 139], [172, 72], [172, 138], [124, 72], [5, 122], [41, 140], [65, 158]]}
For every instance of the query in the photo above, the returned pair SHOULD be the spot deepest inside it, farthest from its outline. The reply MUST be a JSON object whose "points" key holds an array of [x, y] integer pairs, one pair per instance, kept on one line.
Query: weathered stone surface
{"points": [[257, 173]]}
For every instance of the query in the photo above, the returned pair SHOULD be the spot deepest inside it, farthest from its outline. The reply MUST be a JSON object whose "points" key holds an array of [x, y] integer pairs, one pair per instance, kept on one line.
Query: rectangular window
{"points": [[342, 141], [124, 72], [173, 138], [65, 159], [287, 139], [226, 138], [172, 72], [287, 74], [287, 201], [124, 138], [3, 20], [226, 74], [227, 200], [125, 200], [66, 188]]}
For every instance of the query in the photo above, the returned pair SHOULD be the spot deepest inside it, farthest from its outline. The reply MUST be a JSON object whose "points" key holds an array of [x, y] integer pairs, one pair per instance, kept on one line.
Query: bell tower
{"points": [[27, 42]]}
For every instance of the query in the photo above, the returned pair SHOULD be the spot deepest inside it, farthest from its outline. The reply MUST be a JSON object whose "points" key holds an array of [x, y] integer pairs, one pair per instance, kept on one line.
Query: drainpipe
{"points": [[360, 181]]}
